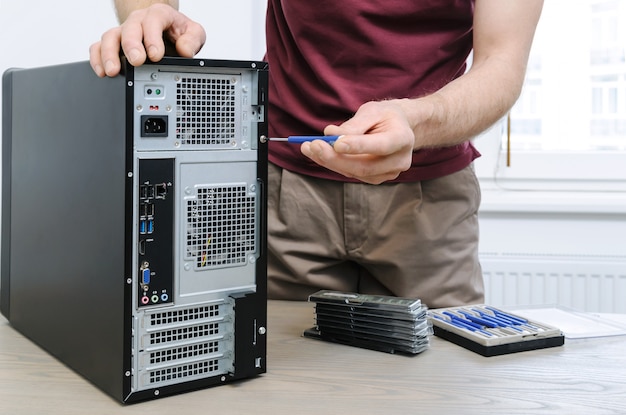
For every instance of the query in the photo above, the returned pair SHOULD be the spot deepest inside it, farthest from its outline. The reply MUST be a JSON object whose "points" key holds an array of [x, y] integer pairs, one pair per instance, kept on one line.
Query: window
{"points": [[568, 129]]}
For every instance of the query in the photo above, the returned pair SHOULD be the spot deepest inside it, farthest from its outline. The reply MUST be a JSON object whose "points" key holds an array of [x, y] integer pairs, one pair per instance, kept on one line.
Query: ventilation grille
{"points": [[184, 333], [184, 352], [185, 344], [221, 226], [206, 111], [179, 316], [177, 373]]}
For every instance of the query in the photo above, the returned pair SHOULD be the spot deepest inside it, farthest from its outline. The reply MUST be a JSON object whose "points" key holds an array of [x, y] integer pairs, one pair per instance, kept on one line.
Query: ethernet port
{"points": [[160, 190]]}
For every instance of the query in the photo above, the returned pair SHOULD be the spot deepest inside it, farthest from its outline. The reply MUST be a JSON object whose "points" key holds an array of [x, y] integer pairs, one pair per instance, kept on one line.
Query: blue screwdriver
{"points": [[299, 139]]}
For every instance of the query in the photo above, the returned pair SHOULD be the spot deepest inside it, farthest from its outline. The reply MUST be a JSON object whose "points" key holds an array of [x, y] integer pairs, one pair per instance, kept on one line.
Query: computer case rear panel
{"points": [[133, 221]]}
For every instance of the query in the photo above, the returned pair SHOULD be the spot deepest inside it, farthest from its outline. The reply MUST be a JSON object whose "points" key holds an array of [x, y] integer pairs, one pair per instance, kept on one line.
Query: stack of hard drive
{"points": [[383, 323]]}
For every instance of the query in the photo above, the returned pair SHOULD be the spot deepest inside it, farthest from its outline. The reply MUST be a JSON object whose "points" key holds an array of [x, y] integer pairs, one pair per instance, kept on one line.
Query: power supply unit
{"points": [[134, 222]]}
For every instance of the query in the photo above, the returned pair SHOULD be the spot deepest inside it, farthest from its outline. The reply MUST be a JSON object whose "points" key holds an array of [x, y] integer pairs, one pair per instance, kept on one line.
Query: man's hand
{"points": [[376, 144], [141, 37]]}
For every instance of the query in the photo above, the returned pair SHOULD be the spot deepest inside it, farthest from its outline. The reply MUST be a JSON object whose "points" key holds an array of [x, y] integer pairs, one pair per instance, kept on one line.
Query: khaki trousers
{"points": [[406, 239]]}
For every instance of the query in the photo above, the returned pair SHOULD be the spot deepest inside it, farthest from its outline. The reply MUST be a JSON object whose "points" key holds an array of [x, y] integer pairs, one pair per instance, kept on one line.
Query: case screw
{"points": [[263, 139], [262, 330]]}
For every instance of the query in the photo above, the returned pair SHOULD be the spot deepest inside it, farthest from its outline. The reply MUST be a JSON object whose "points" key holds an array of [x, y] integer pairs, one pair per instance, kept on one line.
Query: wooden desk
{"points": [[307, 376]]}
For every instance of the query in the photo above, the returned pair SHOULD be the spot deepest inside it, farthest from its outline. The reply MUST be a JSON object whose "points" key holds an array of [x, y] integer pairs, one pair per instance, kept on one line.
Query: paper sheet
{"points": [[573, 324]]}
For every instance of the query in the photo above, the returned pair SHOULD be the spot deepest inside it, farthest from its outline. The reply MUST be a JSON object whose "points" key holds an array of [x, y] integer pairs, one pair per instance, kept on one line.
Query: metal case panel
{"points": [[200, 122], [63, 254], [78, 154]]}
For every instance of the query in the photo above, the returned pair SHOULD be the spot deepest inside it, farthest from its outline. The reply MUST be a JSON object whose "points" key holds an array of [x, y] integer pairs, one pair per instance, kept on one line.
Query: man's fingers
{"points": [[364, 167], [191, 41], [141, 37], [132, 38], [104, 55], [142, 33], [154, 23], [95, 60]]}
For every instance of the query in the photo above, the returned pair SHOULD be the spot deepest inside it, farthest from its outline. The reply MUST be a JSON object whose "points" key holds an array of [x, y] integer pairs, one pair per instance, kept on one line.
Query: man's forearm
{"points": [[502, 35], [126, 7], [465, 107]]}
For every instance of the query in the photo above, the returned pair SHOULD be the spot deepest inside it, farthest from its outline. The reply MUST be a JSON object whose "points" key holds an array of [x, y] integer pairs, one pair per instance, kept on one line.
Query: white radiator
{"points": [[587, 284]]}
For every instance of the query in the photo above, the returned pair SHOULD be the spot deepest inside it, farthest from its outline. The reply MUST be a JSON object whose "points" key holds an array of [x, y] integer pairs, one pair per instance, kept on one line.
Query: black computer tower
{"points": [[133, 221]]}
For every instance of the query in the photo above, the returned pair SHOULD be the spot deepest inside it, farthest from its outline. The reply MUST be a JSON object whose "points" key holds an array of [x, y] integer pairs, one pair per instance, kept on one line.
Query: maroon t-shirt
{"points": [[327, 57]]}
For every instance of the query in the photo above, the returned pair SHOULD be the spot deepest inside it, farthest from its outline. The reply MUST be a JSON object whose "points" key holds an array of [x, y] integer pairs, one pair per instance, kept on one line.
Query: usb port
{"points": [[142, 226], [150, 226], [146, 209], [143, 191]]}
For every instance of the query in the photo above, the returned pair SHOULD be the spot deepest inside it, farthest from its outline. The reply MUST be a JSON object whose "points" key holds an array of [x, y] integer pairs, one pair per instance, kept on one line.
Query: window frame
{"points": [[567, 161]]}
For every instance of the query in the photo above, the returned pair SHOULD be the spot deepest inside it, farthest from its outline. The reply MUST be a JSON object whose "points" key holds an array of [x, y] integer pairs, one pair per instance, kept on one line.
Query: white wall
{"points": [[43, 32], [235, 28], [548, 241]]}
